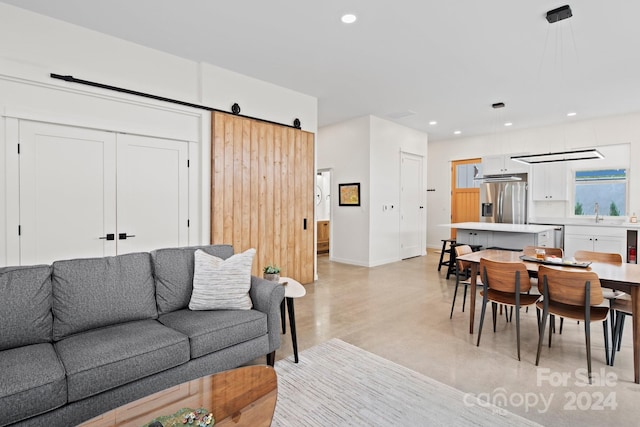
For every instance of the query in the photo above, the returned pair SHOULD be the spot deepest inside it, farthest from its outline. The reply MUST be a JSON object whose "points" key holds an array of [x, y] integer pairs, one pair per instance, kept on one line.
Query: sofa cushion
{"points": [[210, 331], [173, 269], [222, 284], [106, 358], [97, 292], [25, 306], [33, 382]]}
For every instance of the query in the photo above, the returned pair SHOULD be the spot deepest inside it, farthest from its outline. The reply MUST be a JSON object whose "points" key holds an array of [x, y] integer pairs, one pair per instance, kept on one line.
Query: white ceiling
{"points": [[443, 60]]}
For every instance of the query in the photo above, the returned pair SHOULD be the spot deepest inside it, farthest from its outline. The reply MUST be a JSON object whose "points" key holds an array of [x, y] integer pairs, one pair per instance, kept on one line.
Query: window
{"points": [[465, 174], [606, 187]]}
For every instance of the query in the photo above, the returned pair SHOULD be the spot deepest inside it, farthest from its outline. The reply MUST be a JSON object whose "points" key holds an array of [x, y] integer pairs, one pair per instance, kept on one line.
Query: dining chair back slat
{"points": [[462, 250], [610, 258], [503, 275], [568, 286]]}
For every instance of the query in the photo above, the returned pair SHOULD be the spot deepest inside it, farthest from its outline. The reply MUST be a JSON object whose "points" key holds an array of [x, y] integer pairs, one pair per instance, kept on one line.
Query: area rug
{"points": [[338, 384]]}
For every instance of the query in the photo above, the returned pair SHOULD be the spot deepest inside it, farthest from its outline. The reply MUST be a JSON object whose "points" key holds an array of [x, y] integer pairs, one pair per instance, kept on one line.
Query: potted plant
{"points": [[272, 273]]}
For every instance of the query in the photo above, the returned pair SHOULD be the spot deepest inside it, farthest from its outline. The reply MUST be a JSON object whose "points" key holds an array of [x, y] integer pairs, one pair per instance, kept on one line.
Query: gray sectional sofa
{"points": [[81, 337]]}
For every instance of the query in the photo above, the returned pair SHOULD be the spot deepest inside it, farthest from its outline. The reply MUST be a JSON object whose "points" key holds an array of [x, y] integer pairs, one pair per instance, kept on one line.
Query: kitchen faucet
{"points": [[596, 210]]}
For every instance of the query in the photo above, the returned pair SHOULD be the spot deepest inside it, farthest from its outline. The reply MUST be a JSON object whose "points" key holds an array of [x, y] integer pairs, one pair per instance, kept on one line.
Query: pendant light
{"points": [[559, 156], [553, 16]]}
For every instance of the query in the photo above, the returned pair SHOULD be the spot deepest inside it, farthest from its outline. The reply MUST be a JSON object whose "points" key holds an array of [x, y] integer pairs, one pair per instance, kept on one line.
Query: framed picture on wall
{"points": [[349, 194]]}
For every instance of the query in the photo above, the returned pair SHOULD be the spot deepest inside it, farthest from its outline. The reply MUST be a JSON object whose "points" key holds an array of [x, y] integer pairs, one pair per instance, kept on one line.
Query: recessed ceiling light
{"points": [[508, 124], [349, 18], [458, 132], [571, 114], [433, 122]]}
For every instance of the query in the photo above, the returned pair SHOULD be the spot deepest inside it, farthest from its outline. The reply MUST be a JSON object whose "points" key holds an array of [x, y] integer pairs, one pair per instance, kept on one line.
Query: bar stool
{"points": [[444, 249]]}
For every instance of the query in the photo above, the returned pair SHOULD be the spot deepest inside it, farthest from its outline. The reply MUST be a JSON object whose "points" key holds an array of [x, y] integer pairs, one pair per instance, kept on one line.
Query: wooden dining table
{"points": [[621, 277]]}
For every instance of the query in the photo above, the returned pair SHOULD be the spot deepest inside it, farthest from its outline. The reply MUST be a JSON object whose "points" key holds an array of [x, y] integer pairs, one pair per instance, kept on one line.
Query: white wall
{"points": [[388, 141], [601, 132], [222, 88], [33, 46], [367, 150], [344, 148]]}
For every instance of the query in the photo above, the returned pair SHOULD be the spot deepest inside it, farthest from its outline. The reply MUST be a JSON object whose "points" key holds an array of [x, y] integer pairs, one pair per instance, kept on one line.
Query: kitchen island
{"points": [[505, 236]]}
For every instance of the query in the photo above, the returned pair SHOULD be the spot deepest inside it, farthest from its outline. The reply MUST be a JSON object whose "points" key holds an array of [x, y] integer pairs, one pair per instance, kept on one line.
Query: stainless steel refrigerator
{"points": [[504, 199]]}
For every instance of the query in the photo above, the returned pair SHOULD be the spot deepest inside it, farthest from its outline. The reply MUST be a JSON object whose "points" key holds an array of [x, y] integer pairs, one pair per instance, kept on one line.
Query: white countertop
{"points": [[607, 222], [507, 228]]}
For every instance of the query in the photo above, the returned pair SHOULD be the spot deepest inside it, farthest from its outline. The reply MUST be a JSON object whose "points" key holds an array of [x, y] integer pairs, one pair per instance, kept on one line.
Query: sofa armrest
{"points": [[267, 297]]}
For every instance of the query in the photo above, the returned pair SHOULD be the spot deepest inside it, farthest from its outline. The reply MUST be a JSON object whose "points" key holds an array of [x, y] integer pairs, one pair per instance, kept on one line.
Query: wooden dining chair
{"points": [[575, 295], [531, 251], [609, 294], [505, 283], [621, 306], [461, 268]]}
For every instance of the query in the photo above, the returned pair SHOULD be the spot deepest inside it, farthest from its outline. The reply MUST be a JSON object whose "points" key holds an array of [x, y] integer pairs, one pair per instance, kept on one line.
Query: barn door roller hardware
{"points": [[234, 108]]}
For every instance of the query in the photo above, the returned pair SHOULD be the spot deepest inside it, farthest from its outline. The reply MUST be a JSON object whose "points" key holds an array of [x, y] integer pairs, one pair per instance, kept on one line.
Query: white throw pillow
{"points": [[222, 284]]}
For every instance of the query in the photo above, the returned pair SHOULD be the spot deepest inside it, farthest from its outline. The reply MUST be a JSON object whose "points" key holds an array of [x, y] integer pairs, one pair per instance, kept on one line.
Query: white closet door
{"points": [[67, 192], [153, 193], [412, 211]]}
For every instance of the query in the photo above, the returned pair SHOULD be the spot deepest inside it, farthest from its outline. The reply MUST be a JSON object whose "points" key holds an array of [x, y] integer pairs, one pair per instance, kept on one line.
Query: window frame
{"points": [[572, 203]]}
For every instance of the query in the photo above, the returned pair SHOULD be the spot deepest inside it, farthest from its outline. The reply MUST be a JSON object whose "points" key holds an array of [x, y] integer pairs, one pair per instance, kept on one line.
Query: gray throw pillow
{"points": [[222, 284]]}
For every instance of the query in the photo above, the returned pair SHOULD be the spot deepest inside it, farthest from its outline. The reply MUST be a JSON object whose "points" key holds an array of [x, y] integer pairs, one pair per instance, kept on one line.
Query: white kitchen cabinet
{"points": [[545, 239], [474, 237], [549, 182], [594, 238], [516, 240], [502, 164]]}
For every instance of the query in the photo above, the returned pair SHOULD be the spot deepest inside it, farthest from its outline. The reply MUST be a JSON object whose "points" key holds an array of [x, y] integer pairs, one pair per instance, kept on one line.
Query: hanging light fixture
{"points": [[559, 156], [553, 16]]}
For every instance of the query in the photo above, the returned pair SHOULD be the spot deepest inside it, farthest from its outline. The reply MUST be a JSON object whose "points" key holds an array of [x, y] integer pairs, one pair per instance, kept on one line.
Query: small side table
{"points": [[292, 289]]}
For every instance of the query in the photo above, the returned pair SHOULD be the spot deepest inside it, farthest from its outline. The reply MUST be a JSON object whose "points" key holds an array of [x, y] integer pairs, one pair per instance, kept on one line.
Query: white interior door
{"points": [[412, 227], [153, 193], [67, 192]]}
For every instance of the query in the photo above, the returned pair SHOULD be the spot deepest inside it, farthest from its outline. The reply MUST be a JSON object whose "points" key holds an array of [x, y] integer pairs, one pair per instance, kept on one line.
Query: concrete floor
{"points": [[400, 311]]}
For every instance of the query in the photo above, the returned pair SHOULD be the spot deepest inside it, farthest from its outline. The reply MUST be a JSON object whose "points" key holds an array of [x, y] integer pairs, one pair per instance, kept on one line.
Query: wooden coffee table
{"points": [[240, 397]]}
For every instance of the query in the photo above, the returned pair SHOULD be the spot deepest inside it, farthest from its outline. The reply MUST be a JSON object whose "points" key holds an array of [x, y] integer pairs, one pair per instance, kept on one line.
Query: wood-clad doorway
{"points": [[465, 192], [262, 193]]}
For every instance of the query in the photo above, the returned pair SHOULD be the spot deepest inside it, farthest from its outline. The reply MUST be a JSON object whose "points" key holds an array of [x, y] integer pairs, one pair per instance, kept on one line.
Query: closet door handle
{"points": [[123, 236], [109, 236]]}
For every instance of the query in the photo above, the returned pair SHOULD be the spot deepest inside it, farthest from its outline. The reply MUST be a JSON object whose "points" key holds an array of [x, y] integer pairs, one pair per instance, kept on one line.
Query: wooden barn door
{"points": [[262, 193]]}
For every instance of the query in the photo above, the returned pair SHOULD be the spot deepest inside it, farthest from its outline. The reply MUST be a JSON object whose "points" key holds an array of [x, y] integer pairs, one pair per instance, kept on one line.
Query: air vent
{"points": [[401, 114]]}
